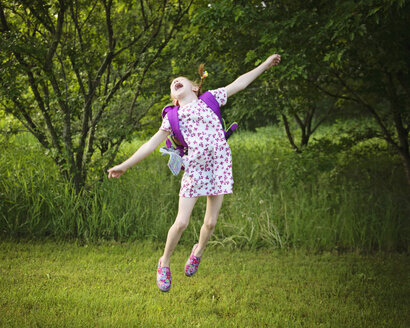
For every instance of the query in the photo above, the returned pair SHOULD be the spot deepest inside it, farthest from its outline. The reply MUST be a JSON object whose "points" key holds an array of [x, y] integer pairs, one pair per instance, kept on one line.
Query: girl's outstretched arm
{"points": [[244, 80], [142, 152]]}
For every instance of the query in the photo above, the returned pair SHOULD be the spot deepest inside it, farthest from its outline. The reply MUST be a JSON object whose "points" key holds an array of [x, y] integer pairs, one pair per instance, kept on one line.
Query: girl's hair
{"points": [[201, 71]]}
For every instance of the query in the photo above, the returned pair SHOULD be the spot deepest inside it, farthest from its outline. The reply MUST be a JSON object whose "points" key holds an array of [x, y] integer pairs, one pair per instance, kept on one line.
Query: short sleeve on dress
{"points": [[220, 95], [166, 126]]}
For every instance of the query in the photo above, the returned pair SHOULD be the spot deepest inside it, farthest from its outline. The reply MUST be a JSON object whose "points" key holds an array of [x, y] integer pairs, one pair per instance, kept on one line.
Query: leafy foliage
{"points": [[73, 73]]}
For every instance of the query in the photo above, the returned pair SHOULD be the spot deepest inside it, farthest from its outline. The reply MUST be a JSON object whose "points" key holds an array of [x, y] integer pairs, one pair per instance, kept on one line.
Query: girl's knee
{"points": [[210, 224], [181, 225]]}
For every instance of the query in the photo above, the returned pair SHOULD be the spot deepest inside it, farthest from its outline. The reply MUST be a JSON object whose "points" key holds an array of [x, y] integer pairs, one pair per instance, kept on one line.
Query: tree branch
{"points": [[40, 103], [397, 117], [107, 7], [143, 14], [299, 121], [78, 76], [330, 93], [28, 123], [132, 42], [379, 121], [3, 20], [309, 118], [47, 23], [289, 134], [89, 15], [82, 46], [318, 123], [57, 36]]}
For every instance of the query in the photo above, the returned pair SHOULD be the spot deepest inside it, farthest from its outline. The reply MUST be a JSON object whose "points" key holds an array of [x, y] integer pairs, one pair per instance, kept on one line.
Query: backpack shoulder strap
{"points": [[212, 103], [172, 113], [166, 109]]}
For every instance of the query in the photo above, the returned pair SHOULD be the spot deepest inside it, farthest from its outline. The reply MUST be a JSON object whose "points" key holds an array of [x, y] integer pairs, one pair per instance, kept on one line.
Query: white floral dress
{"points": [[208, 165]]}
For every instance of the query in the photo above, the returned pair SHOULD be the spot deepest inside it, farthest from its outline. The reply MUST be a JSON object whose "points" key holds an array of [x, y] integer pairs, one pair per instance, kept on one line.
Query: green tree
{"points": [[234, 37], [74, 73], [369, 66], [354, 52]]}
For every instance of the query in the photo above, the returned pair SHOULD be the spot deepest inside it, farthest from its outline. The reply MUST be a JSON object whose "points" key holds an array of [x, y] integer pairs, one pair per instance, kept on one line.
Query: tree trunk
{"points": [[405, 156], [402, 131], [304, 140]]}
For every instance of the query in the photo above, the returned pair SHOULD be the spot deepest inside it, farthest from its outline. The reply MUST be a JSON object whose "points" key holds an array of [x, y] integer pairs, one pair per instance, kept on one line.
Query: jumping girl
{"points": [[208, 164]]}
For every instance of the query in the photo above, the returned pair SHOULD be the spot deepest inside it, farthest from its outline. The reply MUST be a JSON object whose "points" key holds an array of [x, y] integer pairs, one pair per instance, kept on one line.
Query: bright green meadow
{"points": [[48, 284]]}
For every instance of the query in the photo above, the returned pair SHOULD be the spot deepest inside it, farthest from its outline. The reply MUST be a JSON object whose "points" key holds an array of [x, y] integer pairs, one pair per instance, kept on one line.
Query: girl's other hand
{"points": [[116, 171], [272, 61]]}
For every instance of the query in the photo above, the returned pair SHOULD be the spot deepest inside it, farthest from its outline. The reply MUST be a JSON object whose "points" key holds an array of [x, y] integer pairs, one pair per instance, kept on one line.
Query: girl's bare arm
{"points": [[244, 80], [142, 152]]}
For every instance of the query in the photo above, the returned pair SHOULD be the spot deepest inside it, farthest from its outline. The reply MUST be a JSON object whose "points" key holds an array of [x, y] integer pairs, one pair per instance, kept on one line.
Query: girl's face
{"points": [[181, 86]]}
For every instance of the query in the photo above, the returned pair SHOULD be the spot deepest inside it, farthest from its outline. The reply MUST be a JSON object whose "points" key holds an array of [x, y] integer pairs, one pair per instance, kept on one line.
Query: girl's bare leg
{"points": [[213, 205], [185, 207]]}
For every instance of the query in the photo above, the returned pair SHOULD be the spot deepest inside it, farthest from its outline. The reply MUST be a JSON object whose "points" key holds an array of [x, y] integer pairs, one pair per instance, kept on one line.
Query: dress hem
{"points": [[210, 194]]}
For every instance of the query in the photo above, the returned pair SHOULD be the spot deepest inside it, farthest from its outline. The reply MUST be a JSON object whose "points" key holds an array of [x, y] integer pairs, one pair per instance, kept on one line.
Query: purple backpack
{"points": [[176, 139]]}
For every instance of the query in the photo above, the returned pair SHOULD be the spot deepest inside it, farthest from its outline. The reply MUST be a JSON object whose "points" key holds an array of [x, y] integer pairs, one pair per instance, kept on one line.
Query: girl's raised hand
{"points": [[272, 61], [115, 172]]}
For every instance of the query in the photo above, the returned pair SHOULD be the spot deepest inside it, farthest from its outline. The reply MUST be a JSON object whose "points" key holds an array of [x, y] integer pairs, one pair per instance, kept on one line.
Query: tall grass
{"points": [[329, 197]]}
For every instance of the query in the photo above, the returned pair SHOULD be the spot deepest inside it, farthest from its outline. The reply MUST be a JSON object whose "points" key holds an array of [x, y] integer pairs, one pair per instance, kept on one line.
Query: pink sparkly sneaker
{"points": [[163, 277], [192, 264]]}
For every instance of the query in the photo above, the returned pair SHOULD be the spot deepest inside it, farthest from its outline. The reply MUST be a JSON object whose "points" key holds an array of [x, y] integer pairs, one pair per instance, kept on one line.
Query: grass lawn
{"points": [[47, 284]]}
